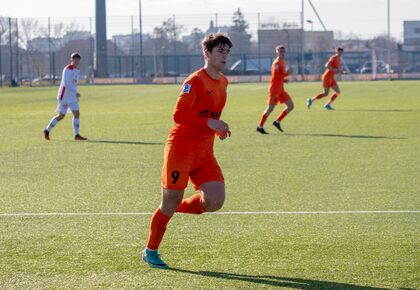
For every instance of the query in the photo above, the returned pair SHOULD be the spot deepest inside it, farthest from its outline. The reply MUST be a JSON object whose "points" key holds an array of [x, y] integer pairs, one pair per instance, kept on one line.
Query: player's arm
{"points": [[184, 112], [220, 127], [342, 70], [329, 66], [68, 83], [286, 73]]}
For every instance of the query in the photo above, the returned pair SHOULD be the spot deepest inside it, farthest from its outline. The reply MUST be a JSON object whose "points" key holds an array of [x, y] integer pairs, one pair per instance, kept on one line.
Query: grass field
{"points": [[364, 156]]}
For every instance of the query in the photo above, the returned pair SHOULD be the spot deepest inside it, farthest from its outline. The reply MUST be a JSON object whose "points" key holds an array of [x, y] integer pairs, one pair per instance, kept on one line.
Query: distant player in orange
{"points": [[328, 81], [188, 153], [276, 92]]}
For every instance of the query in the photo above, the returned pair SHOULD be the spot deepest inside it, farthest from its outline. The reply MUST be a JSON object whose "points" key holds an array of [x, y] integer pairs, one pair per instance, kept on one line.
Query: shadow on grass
{"points": [[344, 136], [278, 281], [124, 142]]}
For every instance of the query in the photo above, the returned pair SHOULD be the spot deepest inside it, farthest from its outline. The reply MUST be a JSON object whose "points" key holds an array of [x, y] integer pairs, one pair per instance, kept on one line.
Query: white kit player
{"points": [[68, 98]]}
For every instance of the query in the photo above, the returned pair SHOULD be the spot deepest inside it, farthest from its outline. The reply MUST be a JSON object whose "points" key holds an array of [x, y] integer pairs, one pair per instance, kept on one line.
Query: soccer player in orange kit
{"points": [[188, 153], [277, 94], [328, 81]]}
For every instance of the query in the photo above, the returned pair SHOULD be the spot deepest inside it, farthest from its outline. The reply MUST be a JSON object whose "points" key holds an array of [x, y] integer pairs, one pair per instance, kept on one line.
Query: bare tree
{"points": [[196, 36], [31, 28], [169, 30], [238, 33], [164, 40], [4, 26]]}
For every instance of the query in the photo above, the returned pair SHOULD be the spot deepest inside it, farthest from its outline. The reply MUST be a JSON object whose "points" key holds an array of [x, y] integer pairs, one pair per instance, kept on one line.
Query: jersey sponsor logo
{"points": [[203, 113], [209, 92], [186, 88], [210, 114]]}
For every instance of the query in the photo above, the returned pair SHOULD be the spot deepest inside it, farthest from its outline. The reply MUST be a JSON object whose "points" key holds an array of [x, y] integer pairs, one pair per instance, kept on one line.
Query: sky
{"points": [[365, 18]]}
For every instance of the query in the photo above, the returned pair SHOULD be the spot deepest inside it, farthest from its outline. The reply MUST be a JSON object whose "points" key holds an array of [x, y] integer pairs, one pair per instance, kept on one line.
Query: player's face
{"points": [[218, 57], [281, 52], [339, 52], [75, 62]]}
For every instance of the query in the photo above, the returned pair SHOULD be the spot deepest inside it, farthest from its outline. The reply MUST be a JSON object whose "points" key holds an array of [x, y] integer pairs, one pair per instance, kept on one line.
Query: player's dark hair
{"points": [[215, 39], [280, 46], [340, 49], [75, 55]]}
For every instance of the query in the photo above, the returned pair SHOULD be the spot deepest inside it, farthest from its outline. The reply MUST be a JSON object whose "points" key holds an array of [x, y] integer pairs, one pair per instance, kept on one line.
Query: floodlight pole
{"points": [[389, 41], [302, 41], [141, 41], [101, 41], [1, 65], [259, 47], [49, 50], [10, 50]]}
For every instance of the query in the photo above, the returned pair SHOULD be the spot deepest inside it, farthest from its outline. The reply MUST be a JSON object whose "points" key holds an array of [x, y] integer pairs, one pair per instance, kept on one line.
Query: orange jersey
{"points": [[278, 73], [335, 63], [201, 98]]}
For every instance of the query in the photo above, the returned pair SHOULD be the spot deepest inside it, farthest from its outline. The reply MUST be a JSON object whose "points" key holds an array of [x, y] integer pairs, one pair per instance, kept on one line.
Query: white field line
{"points": [[81, 214]]}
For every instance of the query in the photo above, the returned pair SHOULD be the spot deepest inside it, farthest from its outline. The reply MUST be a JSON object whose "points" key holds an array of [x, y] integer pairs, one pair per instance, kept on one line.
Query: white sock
{"points": [[76, 125], [52, 123]]}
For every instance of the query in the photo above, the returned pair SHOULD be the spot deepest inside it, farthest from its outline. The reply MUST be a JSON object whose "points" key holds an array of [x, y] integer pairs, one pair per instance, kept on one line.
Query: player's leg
{"points": [[175, 174], [76, 122], [170, 199], [169, 202], [208, 179], [270, 107], [333, 97], [285, 98], [61, 113], [317, 96], [158, 223], [213, 195]]}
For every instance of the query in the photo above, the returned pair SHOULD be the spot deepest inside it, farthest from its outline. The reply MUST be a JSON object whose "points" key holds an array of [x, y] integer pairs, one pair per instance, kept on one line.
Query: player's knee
{"points": [[60, 117], [170, 201], [268, 111], [290, 107], [214, 205]]}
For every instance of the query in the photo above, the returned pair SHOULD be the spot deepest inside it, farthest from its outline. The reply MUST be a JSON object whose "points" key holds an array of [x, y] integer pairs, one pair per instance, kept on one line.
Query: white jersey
{"points": [[68, 86]]}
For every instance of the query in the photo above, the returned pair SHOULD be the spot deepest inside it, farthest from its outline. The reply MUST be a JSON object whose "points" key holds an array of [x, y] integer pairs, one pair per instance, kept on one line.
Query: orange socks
{"points": [[159, 220], [157, 229], [333, 97], [282, 115], [317, 97], [262, 121], [192, 205]]}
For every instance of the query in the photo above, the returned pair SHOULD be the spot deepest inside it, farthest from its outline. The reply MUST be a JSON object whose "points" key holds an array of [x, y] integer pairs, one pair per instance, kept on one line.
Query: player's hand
{"points": [[78, 95], [224, 135], [286, 81], [218, 125]]}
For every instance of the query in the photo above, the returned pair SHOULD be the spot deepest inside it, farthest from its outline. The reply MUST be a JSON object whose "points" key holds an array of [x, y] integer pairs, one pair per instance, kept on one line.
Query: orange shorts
{"points": [[278, 97], [180, 166], [328, 82]]}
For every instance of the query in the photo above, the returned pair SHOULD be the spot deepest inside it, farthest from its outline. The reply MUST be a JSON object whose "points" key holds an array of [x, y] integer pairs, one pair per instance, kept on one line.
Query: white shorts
{"points": [[63, 107]]}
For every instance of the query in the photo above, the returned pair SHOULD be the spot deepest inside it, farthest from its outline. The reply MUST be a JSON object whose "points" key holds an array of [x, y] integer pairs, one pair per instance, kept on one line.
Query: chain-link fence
{"points": [[166, 48]]}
